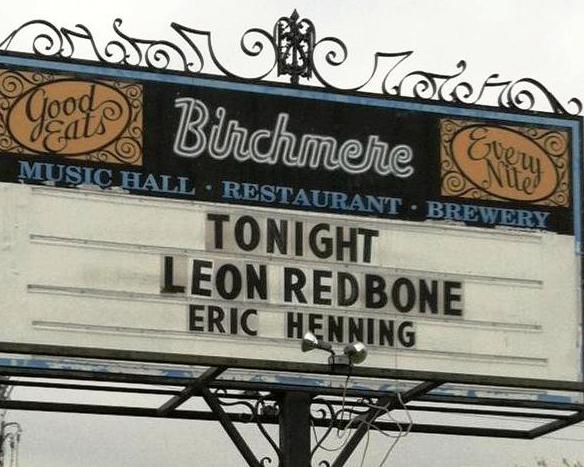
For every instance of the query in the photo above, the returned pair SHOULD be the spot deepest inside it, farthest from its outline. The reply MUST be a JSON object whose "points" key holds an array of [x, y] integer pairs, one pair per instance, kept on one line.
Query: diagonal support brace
{"points": [[209, 375], [229, 427]]}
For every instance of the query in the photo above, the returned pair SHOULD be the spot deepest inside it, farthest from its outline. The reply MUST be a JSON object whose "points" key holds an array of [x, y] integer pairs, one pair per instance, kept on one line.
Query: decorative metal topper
{"points": [[295, 44], [294, 50]]}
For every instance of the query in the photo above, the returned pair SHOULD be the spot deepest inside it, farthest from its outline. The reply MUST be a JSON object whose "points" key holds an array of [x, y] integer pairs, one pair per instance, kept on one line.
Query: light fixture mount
{"points": [[353, 353]]}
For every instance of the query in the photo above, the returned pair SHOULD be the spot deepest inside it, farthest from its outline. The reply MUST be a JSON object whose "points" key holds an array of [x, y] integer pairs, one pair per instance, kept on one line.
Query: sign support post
{"points": [[2, 432], [294, 420]]}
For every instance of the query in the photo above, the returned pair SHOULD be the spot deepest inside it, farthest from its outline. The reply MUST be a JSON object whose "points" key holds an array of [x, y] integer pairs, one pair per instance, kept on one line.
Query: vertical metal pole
{"points": [[295, 429], [2, 432], [3, 396]]}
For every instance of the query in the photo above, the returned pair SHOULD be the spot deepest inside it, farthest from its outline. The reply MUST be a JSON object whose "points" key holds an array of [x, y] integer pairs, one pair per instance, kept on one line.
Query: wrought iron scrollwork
{"points": [[329, 414], [291, 49], [337, 415], [257, 407]]}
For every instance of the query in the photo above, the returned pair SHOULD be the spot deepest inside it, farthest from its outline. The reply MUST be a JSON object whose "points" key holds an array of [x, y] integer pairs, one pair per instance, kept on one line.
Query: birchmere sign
{"points": [[152, 211], [276, 147]]}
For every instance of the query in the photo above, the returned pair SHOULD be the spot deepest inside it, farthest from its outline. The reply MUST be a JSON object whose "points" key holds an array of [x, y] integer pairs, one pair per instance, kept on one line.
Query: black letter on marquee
{"points": [[370, 330], [327, 242], [450, 298], [375, 287], [342, 298], [220, 281], [428, 296], [218, 220], [315, 324], [233, 323], [351, 244], [295, 287], [256, 282], [277, 236], [194, 319], [396, 294], [294, 322], [406, 338], [169, 286], [240, 233], [355, 329], [335, 328], [215, 315], [244, 325], [318, 288], [198, 276], [298, 239], [367, 236], [386, 332]]}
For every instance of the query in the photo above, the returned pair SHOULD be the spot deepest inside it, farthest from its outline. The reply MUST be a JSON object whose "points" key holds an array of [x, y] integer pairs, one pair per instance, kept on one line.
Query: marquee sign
{"points": [[196, 215]]}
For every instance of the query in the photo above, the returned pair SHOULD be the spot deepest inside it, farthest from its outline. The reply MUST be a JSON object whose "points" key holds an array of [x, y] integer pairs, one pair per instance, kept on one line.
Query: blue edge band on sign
{"points": [[105, 367], [572, 125]]}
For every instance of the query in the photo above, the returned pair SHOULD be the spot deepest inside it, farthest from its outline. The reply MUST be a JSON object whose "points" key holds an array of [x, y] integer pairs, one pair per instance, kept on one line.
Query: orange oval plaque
{"points": [[504, 163], [69, 117]]}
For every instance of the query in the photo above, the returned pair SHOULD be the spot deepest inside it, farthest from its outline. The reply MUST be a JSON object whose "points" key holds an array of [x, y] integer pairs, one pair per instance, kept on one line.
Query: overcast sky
{"points": [[515, 38]]}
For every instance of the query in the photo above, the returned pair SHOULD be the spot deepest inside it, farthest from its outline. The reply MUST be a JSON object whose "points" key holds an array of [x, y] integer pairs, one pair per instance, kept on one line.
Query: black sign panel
{"points": [[282, 148]]}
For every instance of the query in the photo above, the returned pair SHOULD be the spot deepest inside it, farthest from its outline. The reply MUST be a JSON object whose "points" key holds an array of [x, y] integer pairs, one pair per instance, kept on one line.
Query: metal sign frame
{"points": [[294, 43]]}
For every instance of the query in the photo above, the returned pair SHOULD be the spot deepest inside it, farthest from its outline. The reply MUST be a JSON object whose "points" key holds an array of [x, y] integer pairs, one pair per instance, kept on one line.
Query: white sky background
{"points": [[540, 39]]}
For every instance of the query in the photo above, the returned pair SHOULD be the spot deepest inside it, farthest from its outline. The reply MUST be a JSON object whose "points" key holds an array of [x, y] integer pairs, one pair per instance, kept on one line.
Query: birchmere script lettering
{"points": [[226, 138]]}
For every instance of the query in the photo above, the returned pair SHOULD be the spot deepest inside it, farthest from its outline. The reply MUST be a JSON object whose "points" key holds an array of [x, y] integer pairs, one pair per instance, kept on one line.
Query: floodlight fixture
{"points": [[356, 352], [353, 353], [311, 342]]}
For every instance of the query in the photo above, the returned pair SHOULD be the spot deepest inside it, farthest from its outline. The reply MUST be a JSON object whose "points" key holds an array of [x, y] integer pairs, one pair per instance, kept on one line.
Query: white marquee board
{"points": [[86, 268]]}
